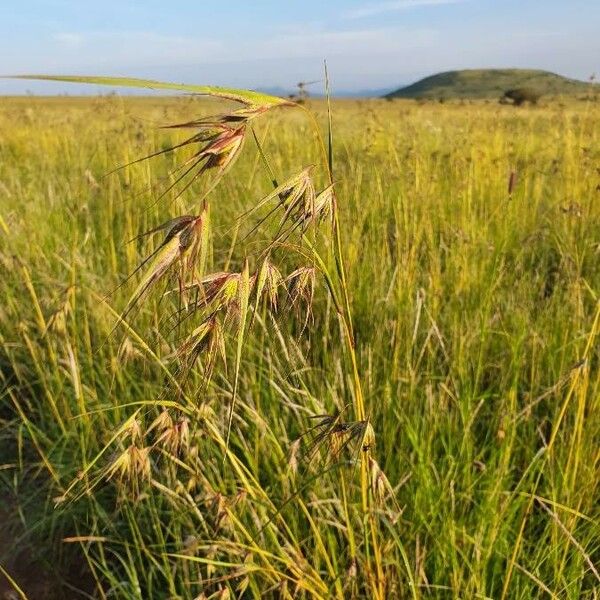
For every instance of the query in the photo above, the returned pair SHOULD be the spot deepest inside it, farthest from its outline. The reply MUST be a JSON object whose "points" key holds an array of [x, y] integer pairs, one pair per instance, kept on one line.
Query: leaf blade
{"points": [[244, 96], [243, 302]]}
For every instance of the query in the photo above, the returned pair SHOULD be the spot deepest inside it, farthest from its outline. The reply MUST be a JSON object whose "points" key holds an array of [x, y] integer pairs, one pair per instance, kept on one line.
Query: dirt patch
{"points": [[20, 565], [36, 578]]}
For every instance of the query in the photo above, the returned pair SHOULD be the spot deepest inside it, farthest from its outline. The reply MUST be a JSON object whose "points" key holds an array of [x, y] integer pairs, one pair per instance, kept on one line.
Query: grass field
{"points": [[471, 240]]}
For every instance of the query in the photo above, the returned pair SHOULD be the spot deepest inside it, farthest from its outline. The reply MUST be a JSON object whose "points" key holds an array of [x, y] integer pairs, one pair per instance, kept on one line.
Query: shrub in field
{"points": [[520, 96]]}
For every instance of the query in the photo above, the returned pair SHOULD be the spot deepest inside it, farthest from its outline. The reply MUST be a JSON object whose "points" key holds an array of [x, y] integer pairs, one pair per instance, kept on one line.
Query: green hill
{"points": [[489, 83]]}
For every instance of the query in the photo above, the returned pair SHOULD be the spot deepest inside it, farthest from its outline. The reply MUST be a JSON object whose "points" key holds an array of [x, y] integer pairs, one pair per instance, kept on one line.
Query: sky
{"points": [[368, 44]]}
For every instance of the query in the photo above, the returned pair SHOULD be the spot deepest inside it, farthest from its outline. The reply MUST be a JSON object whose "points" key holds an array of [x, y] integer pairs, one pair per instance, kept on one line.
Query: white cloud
{"points": [[394, 5], [323, 44], [142, 49], [71, 40], [358, 57], [74, 50]]}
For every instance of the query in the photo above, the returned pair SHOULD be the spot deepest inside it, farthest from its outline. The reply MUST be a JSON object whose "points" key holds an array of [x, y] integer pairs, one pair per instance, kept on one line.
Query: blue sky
{"points": [[266, 43]]}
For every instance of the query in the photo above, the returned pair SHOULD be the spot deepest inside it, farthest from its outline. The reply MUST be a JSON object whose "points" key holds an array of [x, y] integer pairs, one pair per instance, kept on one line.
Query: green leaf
{"points": [[245, 96], [243, 302], [261, 280]]}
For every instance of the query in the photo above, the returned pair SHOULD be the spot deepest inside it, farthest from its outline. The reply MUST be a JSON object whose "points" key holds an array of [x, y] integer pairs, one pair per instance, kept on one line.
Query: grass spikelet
{"points": [[181, 244], [300, 290], [380, 484], [131, 467]]}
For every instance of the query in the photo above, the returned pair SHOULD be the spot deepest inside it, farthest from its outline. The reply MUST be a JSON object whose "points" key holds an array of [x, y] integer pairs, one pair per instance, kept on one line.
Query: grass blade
{"points": [[244, 96]]}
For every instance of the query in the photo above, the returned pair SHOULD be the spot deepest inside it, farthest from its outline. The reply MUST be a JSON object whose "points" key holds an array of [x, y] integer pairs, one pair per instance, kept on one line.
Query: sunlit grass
{"points": [[474, 295]]}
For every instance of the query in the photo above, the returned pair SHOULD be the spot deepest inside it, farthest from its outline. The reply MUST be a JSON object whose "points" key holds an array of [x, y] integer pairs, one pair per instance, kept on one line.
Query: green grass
{"points": [[492, 83], [476, 322]]}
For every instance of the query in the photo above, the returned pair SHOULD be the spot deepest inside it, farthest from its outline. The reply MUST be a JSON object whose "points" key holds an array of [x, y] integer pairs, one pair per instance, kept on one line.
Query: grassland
{"points": [[471, 237]]}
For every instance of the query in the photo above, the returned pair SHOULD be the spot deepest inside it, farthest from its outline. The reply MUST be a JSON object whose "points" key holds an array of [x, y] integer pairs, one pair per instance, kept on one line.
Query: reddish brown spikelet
{"points": [[301, 284], [181, 243]]}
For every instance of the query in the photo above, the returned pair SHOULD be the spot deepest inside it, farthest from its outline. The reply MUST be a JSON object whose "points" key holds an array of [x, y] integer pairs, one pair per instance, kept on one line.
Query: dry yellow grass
{"points": [[471, 238]]}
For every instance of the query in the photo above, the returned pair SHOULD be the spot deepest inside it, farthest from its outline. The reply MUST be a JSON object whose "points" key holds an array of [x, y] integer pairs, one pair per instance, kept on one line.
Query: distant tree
{"points": [[302, 95], [520, 96]]}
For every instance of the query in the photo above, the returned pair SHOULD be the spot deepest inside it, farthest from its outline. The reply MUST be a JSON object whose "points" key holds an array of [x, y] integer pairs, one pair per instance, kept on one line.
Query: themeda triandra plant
{"points": [[211, 305]]}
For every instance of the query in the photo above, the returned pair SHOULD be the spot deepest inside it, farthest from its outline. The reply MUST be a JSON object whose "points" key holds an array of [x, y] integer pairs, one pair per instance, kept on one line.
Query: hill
{"points": [[489, 83]]}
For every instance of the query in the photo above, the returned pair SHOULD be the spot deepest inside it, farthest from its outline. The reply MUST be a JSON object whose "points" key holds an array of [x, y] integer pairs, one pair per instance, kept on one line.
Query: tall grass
{"points": [[469, 237]]}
